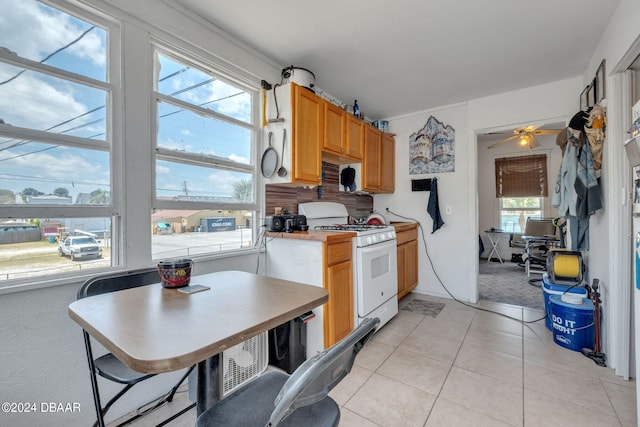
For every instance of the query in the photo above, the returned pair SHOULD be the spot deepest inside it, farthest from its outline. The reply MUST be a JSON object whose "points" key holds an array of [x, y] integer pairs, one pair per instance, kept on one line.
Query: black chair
{"points": [[277, 399], [109, 366], [535, 249]]}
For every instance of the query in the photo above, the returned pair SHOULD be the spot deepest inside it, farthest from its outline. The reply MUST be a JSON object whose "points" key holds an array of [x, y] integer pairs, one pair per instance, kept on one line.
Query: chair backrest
{"points": [[118, 281], [539, 227], [313, 380]]}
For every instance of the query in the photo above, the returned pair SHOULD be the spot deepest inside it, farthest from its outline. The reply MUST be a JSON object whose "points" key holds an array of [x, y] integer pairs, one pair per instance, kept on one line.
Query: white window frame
{"points": [[254, 126], [111, 143], [501, 209]]}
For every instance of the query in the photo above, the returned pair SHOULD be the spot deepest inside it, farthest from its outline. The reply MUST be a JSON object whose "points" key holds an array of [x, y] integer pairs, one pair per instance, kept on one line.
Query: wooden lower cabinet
{"points": [[338, 280], [407, 250], [338, 311]]}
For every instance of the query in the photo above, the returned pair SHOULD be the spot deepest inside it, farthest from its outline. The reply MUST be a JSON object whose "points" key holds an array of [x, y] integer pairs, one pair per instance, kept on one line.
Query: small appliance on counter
{"points": [[285, 222]]}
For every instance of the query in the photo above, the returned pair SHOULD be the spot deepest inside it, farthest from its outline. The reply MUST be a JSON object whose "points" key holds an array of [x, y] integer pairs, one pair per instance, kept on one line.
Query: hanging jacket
{"points": [[586, 185], [564, 195]]}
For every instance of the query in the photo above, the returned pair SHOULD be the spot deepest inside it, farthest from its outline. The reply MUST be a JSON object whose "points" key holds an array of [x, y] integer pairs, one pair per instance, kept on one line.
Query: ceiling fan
{"points": [[526, 136]]}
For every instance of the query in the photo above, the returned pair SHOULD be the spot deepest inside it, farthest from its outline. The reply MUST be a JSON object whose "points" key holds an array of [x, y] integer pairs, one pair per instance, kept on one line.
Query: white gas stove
{"points": [[367, 234], [375, 272]]}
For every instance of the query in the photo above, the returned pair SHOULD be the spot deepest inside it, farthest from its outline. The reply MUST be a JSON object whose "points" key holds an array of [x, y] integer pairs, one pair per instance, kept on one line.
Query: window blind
{"points": [[522, 176]]}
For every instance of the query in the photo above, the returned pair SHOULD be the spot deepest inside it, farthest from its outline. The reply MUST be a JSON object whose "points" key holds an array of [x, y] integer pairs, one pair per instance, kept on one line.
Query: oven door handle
{"points": [[378, 246]]}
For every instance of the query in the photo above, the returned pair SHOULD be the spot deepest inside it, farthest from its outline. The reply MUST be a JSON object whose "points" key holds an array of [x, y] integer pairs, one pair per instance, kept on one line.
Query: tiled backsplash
{"points": [[289, 197]]}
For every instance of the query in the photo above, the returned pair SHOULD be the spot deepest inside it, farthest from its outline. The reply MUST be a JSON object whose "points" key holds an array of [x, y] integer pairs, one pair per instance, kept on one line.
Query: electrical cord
{"points": [[426, 250]]}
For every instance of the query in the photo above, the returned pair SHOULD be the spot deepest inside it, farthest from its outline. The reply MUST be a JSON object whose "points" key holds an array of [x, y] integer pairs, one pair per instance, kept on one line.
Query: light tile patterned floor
{"points": [[471, 368]]}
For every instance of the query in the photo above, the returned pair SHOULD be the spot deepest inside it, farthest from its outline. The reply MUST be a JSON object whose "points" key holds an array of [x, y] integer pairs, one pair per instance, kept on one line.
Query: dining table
{"points": [[153, 329]]}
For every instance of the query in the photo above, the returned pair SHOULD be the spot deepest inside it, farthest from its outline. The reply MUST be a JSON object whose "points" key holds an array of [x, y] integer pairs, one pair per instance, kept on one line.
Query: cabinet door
{"points": [[338, 311], [402, 277], [371, 161], [334, 129], [411, 265], [355, 137], [307, 136], [387, 164]]}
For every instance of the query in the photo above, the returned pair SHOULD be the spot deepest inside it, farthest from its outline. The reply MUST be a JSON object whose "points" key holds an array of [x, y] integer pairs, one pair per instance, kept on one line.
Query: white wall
{"points": [[619, 46], [447, 246], [454, 248]]}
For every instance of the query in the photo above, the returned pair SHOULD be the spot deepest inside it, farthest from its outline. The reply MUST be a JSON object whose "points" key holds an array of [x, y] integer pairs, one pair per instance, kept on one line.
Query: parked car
{"points": [[80, 247]]}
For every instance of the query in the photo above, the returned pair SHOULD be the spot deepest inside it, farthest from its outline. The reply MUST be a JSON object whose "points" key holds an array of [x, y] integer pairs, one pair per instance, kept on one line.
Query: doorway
{"points": [[501, 272]]}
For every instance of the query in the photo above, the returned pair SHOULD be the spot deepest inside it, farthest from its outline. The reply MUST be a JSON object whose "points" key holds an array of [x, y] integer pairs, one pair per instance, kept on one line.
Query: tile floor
{"points": [[471, 368]]}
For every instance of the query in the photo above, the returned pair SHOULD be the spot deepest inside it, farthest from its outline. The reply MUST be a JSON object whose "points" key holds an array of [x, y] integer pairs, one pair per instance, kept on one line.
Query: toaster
{"points": [[278, 223]]}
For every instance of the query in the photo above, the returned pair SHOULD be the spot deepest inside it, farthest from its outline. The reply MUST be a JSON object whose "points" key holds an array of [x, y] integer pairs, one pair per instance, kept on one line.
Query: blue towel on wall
{"points": [[433, 208]]}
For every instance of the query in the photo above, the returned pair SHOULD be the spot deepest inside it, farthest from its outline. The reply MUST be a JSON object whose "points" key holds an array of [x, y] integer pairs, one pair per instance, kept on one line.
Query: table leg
{"points": [[527, 262], [210, 387], [494, 248]]}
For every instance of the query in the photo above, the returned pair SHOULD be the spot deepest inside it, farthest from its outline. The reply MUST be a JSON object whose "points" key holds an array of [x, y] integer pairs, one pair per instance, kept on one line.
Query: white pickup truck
{"points": [[80, 247]]}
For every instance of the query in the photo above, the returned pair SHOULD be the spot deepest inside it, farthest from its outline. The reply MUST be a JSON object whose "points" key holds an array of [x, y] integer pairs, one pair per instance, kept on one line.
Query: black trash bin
{"points": [[288, 343]]}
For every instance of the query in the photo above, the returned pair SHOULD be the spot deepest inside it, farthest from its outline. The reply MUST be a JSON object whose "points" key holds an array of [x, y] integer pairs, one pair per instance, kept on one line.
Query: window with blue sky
{"points": [[65, 129]]}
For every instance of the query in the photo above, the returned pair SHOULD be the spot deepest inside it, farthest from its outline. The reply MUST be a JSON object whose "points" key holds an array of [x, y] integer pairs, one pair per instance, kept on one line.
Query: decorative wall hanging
{"points": [[432, 148], [601, 86], [595, 130], [595, 91]]}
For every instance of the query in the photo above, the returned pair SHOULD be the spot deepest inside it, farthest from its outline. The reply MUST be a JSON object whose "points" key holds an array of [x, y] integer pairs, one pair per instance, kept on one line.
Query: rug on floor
{"points": [[426, 308], [508, 283]]}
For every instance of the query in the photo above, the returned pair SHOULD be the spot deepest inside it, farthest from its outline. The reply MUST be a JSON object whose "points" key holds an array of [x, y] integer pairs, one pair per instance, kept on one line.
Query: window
{"points": [[205, 159], [56, 101], [514, 212], [521, 183]]}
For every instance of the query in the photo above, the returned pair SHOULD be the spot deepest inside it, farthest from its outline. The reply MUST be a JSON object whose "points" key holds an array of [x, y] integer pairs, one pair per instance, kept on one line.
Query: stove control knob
{"points": [[369, 240], [382, 237], [373, 239], [391, 234]]}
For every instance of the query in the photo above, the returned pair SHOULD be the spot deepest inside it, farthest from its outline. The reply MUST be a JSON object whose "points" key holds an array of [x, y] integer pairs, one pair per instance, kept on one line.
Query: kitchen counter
{"points": [[320, 236], [404, 226]]}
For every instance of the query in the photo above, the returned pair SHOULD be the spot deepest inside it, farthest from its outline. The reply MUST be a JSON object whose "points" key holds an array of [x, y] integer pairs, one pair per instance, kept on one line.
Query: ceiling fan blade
{"points": [[511, 138], [547, 131], [533, 142], [500, 132], [528, 129]]}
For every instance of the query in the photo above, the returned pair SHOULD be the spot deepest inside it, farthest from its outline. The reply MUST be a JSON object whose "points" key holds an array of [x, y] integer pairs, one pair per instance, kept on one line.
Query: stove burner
{"points": [[350, 227]]}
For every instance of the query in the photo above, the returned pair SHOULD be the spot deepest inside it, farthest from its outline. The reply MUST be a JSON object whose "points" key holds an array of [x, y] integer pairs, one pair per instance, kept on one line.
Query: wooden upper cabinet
{"points": [[354, 137], [371, 161], [307, 118], [378, 164], [343, 135], [388, 173], [334, 129]]}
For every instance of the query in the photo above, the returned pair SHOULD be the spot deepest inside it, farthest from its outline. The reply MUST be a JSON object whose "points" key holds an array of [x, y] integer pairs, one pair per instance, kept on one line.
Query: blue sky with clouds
{"points": [[35, 100]]}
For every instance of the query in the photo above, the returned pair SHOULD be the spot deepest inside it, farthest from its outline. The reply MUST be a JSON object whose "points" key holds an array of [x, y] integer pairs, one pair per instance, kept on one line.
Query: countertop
{"points": [[404, 226], [320, 236]]}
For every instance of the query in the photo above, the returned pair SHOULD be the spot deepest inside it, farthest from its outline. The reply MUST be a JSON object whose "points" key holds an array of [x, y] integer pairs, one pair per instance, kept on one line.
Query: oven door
{"points": [[376, 275]]}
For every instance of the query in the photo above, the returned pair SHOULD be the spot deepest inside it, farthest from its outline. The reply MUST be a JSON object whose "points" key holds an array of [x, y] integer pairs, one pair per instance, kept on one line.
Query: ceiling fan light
{"points": [[524, 140]]}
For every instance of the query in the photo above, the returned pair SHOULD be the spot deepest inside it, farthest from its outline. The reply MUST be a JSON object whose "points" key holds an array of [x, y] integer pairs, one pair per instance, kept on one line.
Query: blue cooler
{"points": [[549, 288], [573, 325]]}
